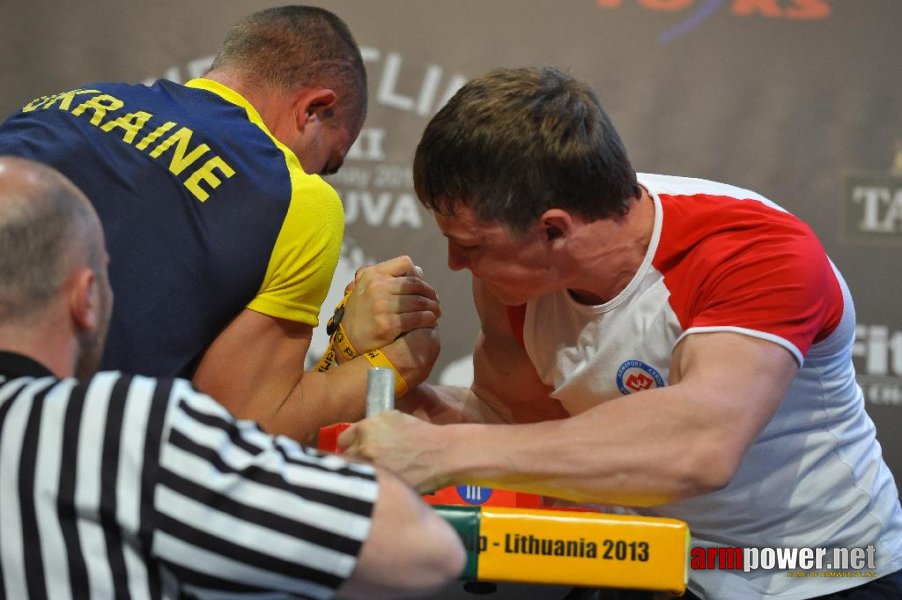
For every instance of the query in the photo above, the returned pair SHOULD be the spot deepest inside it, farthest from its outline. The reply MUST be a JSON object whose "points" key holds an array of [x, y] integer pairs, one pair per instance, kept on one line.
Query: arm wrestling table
{"points": [[523, 538]]}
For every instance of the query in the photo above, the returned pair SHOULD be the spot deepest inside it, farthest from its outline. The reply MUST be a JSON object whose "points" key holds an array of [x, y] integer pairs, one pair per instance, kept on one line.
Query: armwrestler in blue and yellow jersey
{"points": [[205, 213], [223, 238]]}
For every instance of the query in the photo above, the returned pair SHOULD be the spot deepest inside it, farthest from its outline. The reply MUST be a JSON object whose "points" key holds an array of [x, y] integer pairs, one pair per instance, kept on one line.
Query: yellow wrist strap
{"points": [[343, 344], [339, 343], [328, 360], [378, 359]]}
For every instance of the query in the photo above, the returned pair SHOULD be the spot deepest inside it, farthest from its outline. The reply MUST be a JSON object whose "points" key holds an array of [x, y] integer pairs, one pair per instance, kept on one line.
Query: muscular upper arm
{"points": [[667, 443], [254, 364], [504, 378], [734, 383], [505, 387]]}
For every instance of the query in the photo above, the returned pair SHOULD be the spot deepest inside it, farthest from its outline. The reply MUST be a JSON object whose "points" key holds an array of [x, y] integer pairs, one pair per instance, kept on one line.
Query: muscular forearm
{"points": [[320, 399], [442, 404], [545, 459], [339, 394], [656, 446], [634, 451]]}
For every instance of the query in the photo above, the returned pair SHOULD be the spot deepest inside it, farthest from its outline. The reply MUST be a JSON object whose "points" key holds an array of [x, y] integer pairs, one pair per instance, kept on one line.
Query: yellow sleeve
{"points": [[306, 252]]}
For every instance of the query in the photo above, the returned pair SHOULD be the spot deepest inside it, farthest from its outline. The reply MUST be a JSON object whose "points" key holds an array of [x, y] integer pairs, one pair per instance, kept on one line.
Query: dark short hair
{"points": [[296, 46], [514, 143]]}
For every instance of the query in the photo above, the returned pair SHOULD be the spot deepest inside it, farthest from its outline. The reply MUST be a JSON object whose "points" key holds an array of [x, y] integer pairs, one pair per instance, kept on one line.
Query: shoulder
{"points": [[732, 258], [714, 225], [123, 388]]}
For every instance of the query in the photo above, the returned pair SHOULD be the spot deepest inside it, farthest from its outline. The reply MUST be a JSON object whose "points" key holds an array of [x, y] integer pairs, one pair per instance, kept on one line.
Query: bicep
{"points": [[505, 386], [503, 376], [735, 381], [254, 363]]}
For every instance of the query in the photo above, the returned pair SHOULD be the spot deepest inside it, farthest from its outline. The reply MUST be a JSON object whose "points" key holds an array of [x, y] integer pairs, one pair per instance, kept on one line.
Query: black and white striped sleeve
{"points": [[238, 511], [133, 487], [72, 486]]}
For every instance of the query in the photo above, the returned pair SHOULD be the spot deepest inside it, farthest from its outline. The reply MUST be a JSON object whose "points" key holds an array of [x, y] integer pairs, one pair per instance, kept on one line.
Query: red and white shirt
{"points": [[726, 259]]}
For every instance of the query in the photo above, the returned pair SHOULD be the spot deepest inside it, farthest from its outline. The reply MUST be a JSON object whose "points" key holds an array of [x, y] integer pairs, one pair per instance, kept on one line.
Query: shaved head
{"points": [[44, 221], [48, 230]]}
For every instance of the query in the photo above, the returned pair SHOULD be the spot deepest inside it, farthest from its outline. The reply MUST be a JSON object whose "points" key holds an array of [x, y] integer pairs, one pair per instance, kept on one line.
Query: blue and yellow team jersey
{"points": [[204, 212]]}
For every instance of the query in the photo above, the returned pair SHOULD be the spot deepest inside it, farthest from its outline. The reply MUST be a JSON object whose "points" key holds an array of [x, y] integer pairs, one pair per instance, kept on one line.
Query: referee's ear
{"points": [[83, 291]]}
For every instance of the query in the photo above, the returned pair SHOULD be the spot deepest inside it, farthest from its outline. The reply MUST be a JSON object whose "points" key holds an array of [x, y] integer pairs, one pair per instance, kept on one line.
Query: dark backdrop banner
{"points": [[796, 99]]}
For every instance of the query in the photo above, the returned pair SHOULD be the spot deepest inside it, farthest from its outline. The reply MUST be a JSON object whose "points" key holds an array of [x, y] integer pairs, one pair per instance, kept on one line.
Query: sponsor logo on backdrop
{"points": [[877, 353], [696, 12], [872, 209], [872, 214], [376, 194]]}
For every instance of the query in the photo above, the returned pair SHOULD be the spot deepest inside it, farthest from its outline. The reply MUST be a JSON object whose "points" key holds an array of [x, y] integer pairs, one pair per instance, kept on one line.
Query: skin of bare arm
{"points": [[253, 368], [505, 386], [649, 448], [255, 365], [410, 551]]}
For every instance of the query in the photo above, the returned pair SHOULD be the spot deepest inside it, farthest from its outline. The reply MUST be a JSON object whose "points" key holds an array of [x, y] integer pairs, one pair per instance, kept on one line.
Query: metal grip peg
{"points": [[380, 391]]}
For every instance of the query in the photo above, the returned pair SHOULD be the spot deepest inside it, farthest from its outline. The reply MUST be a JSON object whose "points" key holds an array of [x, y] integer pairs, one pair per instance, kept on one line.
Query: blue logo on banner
{"points": [[473, 494], [636, 376], [704, 12]]}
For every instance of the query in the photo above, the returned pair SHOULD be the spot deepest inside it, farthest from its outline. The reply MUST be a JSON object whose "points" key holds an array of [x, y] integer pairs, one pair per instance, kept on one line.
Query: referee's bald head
{"points": [[47, 227]]}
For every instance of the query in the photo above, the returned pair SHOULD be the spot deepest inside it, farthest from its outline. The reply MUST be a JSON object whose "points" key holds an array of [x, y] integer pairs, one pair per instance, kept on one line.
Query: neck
{"points": [[611, 253], [48, 346], [274, 106]]}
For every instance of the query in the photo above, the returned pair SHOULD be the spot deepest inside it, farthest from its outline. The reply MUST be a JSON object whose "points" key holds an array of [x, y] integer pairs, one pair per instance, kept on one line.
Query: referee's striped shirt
{"points": [[132, 487]]}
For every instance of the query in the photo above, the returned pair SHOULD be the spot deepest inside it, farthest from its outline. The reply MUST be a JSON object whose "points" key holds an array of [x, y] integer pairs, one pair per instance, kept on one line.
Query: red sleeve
{"points": [[752, 267]]}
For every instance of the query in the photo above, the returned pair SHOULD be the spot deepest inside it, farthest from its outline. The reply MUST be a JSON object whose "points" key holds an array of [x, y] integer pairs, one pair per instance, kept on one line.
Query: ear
{"points": [[313, 104], [84, 300], [557, 224]]}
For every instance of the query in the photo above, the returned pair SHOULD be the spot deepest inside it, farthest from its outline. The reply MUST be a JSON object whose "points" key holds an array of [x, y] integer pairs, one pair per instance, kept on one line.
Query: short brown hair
{"points": [[515, 142]]}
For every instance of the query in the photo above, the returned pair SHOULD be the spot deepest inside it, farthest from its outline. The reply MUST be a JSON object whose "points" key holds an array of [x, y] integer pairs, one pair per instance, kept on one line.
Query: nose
{"points": [[457, 258]]}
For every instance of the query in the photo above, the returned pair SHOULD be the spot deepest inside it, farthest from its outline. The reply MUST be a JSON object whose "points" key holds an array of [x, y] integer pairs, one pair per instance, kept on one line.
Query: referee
{"points": [[117, 486]]}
